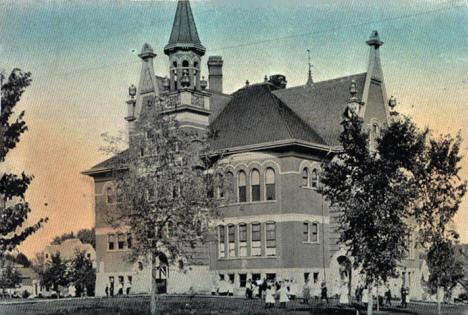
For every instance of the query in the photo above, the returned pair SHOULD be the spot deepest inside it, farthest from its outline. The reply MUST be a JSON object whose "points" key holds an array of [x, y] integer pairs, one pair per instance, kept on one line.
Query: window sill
{"points": [[247, 257], [118, 250], [247, 203], [310, 188], [311, 243]]}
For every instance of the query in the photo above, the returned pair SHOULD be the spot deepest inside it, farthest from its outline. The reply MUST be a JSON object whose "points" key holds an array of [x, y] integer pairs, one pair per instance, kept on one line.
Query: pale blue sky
{"points": [[82, 57]]}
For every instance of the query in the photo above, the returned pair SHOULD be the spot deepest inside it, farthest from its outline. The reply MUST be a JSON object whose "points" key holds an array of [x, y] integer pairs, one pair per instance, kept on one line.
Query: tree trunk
{"points": [[154, 289], [439, 298], [371, 299]]}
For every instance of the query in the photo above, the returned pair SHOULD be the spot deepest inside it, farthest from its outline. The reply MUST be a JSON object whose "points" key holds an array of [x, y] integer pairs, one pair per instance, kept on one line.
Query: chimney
{"points": [[215, 73]]}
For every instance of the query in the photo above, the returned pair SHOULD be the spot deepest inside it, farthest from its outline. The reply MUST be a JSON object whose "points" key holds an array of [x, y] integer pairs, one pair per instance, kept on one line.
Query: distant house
{"points": [[68, 249]]}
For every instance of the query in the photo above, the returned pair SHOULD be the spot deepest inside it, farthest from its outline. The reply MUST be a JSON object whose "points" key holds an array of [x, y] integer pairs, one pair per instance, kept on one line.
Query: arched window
{"points": [[185, 63], [195, 64], [255, 183], [305, 177], [314, 179], [242, 186], [110, 195], [229, 183], [174, 64], [270, 184], [220, 186]]}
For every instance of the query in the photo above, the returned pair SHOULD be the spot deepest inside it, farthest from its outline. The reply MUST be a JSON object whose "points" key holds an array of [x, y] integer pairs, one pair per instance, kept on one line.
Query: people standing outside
{"points": [[324, 292], [388, 297], [306, 292], [283, 294], [293, 289], [248, 289], [269, 296], [344, 297], [230, 288], [403, 296], [365, 296]]}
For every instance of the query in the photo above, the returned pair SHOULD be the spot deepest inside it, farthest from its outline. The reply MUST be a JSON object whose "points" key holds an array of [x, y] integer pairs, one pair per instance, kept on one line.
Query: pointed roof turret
{"points": [[184, 33]]}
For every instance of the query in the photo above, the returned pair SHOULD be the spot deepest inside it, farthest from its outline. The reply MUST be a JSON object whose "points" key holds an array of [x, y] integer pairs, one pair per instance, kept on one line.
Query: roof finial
{"points": [[309, 78], [374, 40]]}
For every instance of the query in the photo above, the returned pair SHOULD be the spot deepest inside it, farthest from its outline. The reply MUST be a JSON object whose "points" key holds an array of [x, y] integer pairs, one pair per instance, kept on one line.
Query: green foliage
{"points": [[55, 273], [9, 277], [82, 274], [441, 191], [86, 236], [12, 186], [164, 192], [373, 192]]}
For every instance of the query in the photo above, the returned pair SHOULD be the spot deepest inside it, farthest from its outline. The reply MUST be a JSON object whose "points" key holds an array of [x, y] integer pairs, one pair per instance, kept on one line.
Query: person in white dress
{"points": [[269, 297], [344, 299], [283, 295], [365, 296]]}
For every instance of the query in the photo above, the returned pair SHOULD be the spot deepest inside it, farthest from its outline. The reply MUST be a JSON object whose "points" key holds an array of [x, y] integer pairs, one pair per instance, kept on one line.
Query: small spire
{"points": [[309, 78], [265, 79], [247, 83], [146, 52], [392, 102], [374, 40]]}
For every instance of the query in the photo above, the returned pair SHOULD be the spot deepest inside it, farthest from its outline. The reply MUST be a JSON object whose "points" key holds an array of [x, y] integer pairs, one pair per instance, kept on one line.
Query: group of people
{"points": [[121, 291], [384, 297], [271, 290], [316, 291]]}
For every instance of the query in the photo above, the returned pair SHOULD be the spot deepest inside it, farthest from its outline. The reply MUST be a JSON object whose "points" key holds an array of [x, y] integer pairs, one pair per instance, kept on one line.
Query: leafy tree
{"points": [[165, 195], [22, 260], [86, 236], [82, 274], [55, 273], [373, 191], [441, 192], [12, 186], [9, 277]]}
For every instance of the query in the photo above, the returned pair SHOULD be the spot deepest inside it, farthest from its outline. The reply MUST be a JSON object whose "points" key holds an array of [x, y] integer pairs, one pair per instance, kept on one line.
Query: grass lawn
{"points": [[196, 305]]}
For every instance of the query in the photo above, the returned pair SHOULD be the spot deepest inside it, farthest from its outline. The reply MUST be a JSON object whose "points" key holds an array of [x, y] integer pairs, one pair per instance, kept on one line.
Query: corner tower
{"points": [[184, 50]]}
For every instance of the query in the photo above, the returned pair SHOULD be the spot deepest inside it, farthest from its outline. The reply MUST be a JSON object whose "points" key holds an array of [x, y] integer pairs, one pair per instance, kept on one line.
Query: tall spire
{"points": [[309, 78], [375, 67], [184, 33]]}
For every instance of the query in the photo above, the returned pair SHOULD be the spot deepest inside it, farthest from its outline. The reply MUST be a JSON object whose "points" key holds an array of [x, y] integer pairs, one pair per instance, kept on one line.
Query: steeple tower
{"points": [[184, 50], [309, 78]]}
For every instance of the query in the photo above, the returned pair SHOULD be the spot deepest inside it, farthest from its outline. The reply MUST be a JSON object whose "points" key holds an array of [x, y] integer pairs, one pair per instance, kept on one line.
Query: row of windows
{"points": [[119, 241], [236, 243], [257, 193], [310, 178], [242, 278]]}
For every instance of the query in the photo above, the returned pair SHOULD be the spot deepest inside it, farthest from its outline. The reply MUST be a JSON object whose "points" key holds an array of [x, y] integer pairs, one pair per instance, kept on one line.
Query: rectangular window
{"points": [[231, 277], [121, 240], [270, 192], [129, 279], [306, 276], [242, 280], [316, 277], [314, 233], [255, 277], [270, 239], [121, 280], [129, 240], [243, 240], [221, 244], [242, 194], [271, 276], [256, 192], [305, 233], [221, 276], [256, 240], [111, 241], [232, 240]]}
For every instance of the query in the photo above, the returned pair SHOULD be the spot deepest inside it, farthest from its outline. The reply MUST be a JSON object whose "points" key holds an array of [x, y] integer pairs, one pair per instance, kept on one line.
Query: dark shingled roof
{"points": [[322, 105], [255, 115], [109, 163], [184, 31]]}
